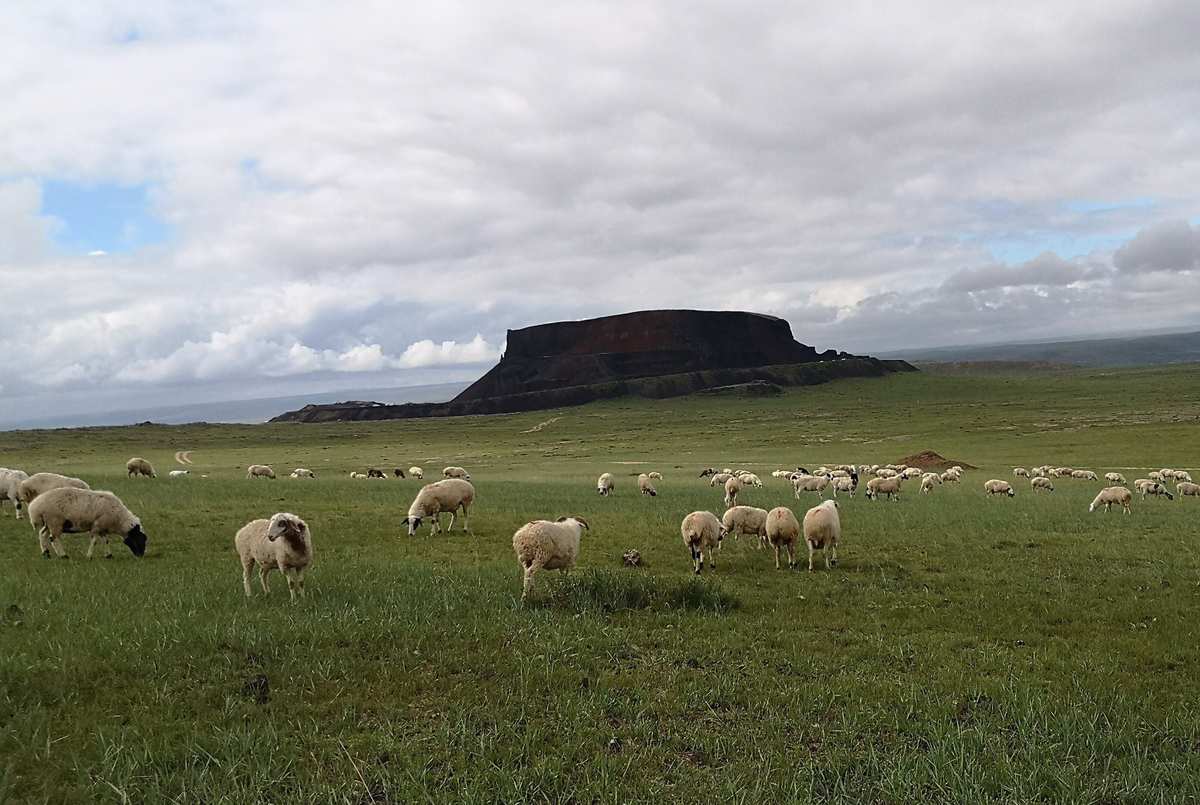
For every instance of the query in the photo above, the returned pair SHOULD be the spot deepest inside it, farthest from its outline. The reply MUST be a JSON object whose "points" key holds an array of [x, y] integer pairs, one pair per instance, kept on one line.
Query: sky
{"points": [[210, 200]]}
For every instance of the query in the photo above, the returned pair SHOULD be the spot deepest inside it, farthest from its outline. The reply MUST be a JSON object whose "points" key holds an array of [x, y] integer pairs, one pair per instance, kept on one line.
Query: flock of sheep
{"points": [[59, 504]]}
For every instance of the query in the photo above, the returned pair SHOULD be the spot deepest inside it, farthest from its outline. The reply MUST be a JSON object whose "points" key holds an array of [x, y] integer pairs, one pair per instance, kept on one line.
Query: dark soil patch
{"points": [[929, 460]]}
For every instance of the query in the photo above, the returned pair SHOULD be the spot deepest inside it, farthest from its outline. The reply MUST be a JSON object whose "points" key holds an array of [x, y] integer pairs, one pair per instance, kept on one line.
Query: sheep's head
{"points": [[135, 539], [1012, 493], [577, 519], [722, 532], [413, 524], [288, 526]]}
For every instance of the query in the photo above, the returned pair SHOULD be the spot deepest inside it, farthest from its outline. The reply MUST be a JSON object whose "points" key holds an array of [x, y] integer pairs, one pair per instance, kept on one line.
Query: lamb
{"points": [[185, 473], [884, 486], [358, 476], [1110, 495], [72, 510], [456, 472], [655, 476], [1114, 478], [646, 486], [550, 545], [605, 484], [1041, 483], [10, 487], [374, 472], [810, 483], [719, 479], [42, 482], [746, 520], [822, 530], [281, 543], [701, 532], [1020, 472], [302, 472], [1152, 488], [732, 487], [260, 471], [783, 529], [448, 495], [998, 487], [847, 484], [417, 473], [139, 466]]}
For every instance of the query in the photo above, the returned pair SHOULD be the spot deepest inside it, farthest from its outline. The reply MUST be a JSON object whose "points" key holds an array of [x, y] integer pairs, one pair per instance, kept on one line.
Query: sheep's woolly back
{"points": [[701, 529], [442, 496], [82, 508], [548, 544], [822, 524], [41, 482], [746, 519], [1110, 495], [782, 525]]}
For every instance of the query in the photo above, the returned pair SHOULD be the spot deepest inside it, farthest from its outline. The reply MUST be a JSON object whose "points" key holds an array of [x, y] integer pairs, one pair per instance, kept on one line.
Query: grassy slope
{"points": [[965, 649]]}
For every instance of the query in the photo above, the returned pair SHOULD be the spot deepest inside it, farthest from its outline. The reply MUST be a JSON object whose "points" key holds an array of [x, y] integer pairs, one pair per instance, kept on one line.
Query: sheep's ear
{"points": [[582, 522]]}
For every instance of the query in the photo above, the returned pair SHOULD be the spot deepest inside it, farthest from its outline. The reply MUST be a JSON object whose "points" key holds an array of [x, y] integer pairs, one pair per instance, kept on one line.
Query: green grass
{"points": [[965, 650]]}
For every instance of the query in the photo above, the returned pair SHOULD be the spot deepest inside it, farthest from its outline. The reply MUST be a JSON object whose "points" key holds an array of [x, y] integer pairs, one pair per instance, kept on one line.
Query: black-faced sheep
{"points": [[70, 510]]}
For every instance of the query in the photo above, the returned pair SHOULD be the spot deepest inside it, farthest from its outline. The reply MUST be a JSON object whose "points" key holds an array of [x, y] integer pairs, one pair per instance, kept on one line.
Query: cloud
{"points": [[448, 353], [1169, 246], [1047, 269]]}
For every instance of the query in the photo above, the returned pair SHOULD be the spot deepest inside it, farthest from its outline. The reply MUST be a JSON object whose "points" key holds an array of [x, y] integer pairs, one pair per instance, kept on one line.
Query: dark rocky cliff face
{"points": [[656, 353]]}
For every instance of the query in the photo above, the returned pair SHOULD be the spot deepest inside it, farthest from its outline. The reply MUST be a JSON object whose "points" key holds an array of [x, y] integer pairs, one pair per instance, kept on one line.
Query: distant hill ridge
{"points": [[655, 353], [1142, 350]]}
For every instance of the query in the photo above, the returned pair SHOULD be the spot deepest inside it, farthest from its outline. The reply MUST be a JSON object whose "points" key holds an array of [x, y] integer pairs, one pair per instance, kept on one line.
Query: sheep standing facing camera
{"points": [[281, 543]]}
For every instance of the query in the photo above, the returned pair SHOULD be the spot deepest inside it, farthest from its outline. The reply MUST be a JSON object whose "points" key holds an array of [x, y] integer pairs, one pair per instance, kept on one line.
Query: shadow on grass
{"points": [[610, 591]]}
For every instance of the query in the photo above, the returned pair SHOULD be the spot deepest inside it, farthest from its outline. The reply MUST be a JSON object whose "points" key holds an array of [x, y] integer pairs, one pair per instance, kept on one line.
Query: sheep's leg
{"points": [[831, 562], [791, 549], [290, 575], [776, 547], [811, 551], [263, 570], [247, 563], [697, 559], [466, 520], [43, 542], [435, 525], [527, 584], [712, 560]]}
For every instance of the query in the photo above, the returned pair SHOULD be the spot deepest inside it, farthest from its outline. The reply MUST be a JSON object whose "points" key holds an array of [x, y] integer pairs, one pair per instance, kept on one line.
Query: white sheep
{"points": [[1152, 488], [10, 488], [178, 474], [1040, 483], [42, 482], [1187, 489], [139, 467], [655, 476], [1183, 475], [934, 478], [746, 520], [1115, 478], [456, 472], [448, 495], [1020, 472], [910, 472], [646, 486], [719, 479], [260, 471], [358, 476], [997, 487], [550, 545], [783, 530], [845, 484], [416, 472], [822, 530], [810, 483], [949, 477], [281, 543], [749, 479], [884, 486], [302, 472], [732, 487], [71, 510], [605, 484], [1111, 495], [701, 532], [927, 484]]}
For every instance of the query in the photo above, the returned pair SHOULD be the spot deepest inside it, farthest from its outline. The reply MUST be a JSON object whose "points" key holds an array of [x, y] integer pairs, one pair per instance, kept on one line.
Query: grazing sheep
{"points": [[749, 479], [732, 487], [884, 486], [844, 483], [949, 477], [185, 473], [282, 543], [1085, 475], [1187, 489], [10, 487], [1154, 476], [456, 472], [1183, 475], [746, 520], [998, 487], [707, 471], [260, 471], [822, 530], [783, 530], [701, 532], [417, 473], [1114, 478], [399, 473], [140, 466], [301, 472], [605, 484], [927, 484], [655, 476], [810, 483], [550, 545], [719, 479], [42, 482], [1152, 488], [934, 478], [1020, 472], [646, 486], [1111, 495], [1044, 484], [909, 473], [448, 495], [373, 472], [885, 472], [71, 510], [358, 476]]}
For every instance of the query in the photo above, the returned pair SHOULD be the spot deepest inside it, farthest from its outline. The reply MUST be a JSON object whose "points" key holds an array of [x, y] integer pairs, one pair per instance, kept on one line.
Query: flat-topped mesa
{"points": [[653, 353]]}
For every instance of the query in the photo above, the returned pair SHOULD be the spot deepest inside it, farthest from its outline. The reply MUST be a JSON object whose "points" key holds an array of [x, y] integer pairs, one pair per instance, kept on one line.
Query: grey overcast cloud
{"points": [[230, 199]]}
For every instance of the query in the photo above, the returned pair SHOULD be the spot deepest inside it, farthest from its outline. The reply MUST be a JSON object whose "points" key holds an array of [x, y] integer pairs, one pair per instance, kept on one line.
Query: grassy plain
{"points": [[966, 649]]}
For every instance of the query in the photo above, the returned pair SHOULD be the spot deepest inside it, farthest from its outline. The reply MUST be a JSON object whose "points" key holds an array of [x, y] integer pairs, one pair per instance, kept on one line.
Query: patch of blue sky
{"points": [[102, 217], [1014, 251], [1087, 206]]}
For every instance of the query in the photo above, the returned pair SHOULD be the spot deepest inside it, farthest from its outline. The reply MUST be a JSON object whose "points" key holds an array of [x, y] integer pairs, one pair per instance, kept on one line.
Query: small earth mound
{"points": [[929, 460]]}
